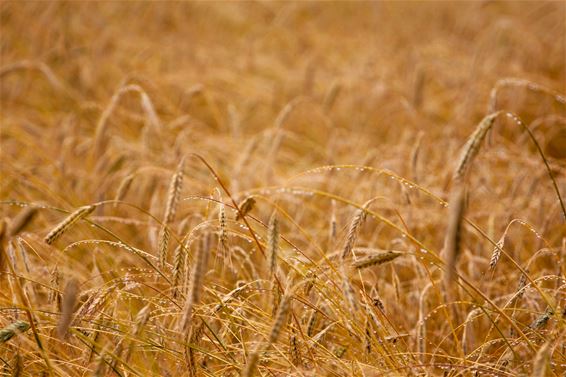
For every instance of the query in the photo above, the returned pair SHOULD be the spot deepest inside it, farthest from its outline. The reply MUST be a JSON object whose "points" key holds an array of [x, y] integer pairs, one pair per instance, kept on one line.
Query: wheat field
{"points": [[283, 188]]}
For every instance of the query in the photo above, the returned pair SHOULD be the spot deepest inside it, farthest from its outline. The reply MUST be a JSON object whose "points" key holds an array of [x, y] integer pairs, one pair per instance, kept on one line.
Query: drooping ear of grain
{"points": [[69, 221], [472, 147], [123, 188], [22, 220], [100, 138], [376, 259], [70, 295], [454, 231], [246, 206]]}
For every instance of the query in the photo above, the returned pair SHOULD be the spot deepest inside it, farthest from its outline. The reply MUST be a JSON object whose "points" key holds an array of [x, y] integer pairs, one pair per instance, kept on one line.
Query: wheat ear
{"points": [[69, 221], [22, 220], [70, 295], [472, 147], [376, 259], [355, 226], [454, 231], [195, 286], [175, 187], [123, 188], [273, 243], [12, 330]]}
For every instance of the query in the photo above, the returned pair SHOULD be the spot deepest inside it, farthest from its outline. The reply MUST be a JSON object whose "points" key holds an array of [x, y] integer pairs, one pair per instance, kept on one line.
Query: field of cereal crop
{"points": [[282, 188]]}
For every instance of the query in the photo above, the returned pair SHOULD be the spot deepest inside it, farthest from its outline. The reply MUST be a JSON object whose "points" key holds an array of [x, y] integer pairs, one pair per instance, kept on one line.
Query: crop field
{"points": [[282, 188]]}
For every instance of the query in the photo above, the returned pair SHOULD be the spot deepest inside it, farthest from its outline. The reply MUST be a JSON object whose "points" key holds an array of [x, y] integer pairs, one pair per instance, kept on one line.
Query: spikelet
{"points": [[295, 352], [541, 360], [246, 206], [223, 238], [179, 260], [195, 287], [64, 225], [472, 147], [276, 328], [3, 231], [367, 338], [123, 188], [251, 363], [273, 243], [534, 87], [521, 285], [68, 305], [22, 220], [164, 236], [279, 318], [496, 253], [12, 330], [377, 258], [140, 321], [355, 226], [543, 319], [331, 95], [333, 230], [454, 231], [175, 187], [99, 136]]}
